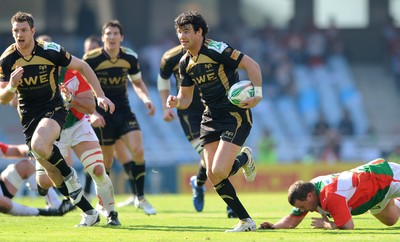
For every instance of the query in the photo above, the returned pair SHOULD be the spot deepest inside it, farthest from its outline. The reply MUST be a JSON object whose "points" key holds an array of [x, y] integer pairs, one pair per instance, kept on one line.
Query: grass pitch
{"points": [[177, 220]]}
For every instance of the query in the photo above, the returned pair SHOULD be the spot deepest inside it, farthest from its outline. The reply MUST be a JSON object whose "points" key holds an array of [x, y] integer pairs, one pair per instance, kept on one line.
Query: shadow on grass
{"points": [[169, 228], [189, 212]]}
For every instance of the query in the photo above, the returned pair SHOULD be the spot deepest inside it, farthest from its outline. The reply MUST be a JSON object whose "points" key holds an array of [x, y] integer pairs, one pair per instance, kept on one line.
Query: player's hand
{"points": [[266, 225], [250, 102], [172, 102], [169, 115], [65, 93], [16, 76], [97, 120], [106, 104], [151, 108], [318, 223]]}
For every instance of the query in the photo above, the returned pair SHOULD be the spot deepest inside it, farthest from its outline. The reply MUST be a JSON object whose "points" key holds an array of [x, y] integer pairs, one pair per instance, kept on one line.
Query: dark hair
{"points": [[194, 18], [44, 37], [21, 17], [113, 23], [299, 191], [93, 38]]}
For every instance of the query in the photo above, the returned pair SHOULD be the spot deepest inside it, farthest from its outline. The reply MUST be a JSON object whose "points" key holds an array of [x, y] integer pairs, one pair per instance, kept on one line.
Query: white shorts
{"points": [[81, 131], [393, 192]]}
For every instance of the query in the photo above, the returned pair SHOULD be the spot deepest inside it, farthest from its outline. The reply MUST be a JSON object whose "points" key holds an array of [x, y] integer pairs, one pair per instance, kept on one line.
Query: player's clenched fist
{"points": [[173, 101]]}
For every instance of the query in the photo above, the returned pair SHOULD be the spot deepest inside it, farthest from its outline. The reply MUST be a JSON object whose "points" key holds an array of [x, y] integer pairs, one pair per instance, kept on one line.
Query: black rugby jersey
{"points": [[38, 88], [113, 74], [214, 70], [170, 65]]}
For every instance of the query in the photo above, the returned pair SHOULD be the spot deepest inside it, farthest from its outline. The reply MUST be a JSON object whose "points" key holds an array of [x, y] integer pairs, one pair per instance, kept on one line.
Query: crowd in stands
{"points": [[391, 36]]}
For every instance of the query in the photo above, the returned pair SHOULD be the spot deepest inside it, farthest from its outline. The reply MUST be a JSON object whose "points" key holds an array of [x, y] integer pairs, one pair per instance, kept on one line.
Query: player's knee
{"points": [[138, 152], [40, 151], [98, 170], [391, 220], [25, 168], [12, 176], [92, 161], [98, 174], [219, 172], [43, 180], [210, 173]]}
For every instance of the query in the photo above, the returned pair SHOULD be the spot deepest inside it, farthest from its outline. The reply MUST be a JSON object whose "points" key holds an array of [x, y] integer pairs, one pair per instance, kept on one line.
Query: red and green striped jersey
{"points": [[76, 84], [352, 192]]}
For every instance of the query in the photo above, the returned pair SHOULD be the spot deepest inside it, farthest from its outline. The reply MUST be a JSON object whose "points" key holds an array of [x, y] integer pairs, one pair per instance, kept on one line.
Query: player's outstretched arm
{"points": [[14, 151], [143, 93], [287, 222], [91, 78], [324, 223]]}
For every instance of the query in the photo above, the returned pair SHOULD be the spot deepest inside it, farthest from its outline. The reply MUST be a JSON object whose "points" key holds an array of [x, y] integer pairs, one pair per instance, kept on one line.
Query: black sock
{"points": [[63, 189], [41, 191], [129, 167], [201, 176], [139, 173], [88, 183], [58, 161], [227, 192], [240, 160], [83, 204]]}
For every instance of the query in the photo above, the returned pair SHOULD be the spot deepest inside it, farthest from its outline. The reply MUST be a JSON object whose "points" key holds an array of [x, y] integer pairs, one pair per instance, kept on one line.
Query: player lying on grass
{"points": [[11, 180], [374, 186]]}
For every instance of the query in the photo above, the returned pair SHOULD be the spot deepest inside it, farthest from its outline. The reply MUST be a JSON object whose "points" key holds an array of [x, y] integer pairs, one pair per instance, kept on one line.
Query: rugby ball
{"points": [[240, 91]]}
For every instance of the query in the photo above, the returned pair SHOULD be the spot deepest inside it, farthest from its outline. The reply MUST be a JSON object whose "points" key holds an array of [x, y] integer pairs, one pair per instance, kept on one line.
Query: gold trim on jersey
{"points": [[40, 43], [201, 59], [93, 53], [53, 82], [223, 77], [176, 67], [108, 64], [36, 60], [172, 52], [248, 117], [11, 49], [239, 121], [186, 120]]}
